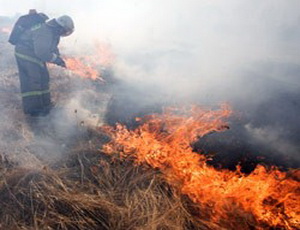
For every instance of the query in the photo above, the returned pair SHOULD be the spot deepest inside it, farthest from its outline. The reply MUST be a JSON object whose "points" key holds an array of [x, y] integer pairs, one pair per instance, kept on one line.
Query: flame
{"points": [[78, 67], [90, 66], [163, 141]]}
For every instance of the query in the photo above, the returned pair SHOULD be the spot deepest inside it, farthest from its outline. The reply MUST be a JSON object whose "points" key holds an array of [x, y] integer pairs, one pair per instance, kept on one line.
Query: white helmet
{"points": [[67, 23]]}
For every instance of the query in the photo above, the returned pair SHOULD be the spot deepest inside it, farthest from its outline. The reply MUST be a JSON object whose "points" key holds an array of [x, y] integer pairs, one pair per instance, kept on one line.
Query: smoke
{"points": [[198, 51]]}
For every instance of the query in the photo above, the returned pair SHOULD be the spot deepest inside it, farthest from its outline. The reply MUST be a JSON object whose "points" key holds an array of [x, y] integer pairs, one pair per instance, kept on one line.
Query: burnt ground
{"points": [[260, 133]]}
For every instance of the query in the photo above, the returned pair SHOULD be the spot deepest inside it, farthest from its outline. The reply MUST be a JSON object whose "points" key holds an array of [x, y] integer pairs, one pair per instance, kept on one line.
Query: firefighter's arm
{"points": [[42, 42]]}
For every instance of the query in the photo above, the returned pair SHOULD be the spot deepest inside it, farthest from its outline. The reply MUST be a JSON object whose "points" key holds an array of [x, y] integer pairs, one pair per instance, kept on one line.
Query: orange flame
{"points": [[92, 65], [163, 142], [79, 68]]}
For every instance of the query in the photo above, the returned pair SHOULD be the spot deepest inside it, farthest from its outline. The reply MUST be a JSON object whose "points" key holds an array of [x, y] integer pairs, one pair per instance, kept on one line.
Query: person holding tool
{"points": [[36, 42]]}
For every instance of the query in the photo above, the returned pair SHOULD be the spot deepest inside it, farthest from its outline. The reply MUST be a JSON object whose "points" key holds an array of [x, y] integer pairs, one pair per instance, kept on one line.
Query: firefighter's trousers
{"points": [[34, 82]]}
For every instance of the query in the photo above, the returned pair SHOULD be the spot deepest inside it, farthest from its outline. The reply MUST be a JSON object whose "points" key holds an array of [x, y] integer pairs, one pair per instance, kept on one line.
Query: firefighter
{"points": [[37, 46]]}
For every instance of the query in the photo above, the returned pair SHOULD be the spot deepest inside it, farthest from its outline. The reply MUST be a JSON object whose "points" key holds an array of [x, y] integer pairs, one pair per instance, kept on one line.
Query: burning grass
{"points": [[164, 185], [90, 190], [266, 198]]}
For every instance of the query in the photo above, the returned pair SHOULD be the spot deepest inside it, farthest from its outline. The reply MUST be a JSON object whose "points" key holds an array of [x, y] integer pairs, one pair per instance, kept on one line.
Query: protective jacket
{"points": [[37, 46]]}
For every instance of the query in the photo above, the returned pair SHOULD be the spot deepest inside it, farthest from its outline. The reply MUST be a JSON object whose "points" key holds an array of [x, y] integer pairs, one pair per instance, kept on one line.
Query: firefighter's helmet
{"points": [[66, 22]]}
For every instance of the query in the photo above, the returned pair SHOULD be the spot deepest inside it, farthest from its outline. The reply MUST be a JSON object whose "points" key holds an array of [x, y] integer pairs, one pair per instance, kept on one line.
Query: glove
{"points": [[60, 62]]}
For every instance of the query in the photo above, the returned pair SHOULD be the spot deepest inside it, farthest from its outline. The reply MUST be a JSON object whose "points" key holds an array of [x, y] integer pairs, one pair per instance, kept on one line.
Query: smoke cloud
{"points": [[242, 52]]}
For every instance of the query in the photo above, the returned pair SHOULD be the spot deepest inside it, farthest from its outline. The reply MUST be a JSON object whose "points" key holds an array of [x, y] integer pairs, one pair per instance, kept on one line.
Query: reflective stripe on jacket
{"points": [[29, 58]]}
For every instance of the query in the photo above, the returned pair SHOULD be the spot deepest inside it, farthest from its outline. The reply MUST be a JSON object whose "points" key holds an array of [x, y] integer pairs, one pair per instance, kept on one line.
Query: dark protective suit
{"points": [[37, 46]]}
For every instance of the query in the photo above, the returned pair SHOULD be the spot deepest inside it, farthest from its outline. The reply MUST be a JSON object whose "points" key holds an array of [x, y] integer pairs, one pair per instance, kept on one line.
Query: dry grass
{"points": [[89, 191]]}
